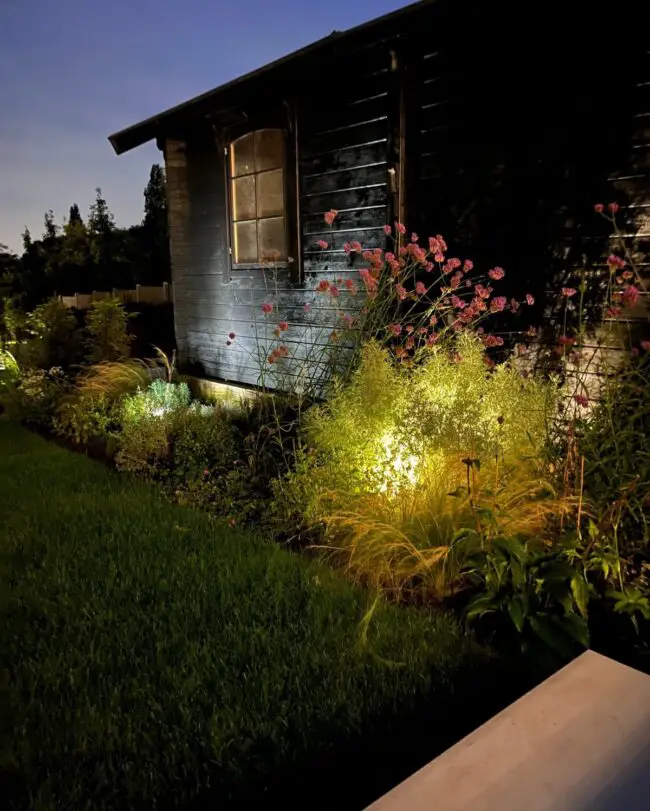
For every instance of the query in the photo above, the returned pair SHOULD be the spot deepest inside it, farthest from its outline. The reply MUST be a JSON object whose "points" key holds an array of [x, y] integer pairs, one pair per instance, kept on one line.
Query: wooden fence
{"points": [[141, 294]]}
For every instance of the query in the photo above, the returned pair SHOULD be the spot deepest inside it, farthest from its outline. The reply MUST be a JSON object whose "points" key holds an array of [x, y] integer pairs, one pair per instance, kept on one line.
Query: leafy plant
{"points": [[50, 341], [35, 397], [543, 596], [106, 328]]}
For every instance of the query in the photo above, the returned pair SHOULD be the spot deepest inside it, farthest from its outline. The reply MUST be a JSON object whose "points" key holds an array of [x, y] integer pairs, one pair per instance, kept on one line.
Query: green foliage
{"points": [[9, 371], [50, 329], [106, 328], [538, 591], [35, 397], [176, 658]]}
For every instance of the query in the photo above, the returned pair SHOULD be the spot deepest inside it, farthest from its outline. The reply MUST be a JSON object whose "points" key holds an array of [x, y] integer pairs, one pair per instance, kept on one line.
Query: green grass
{"points": [[156, 659]]}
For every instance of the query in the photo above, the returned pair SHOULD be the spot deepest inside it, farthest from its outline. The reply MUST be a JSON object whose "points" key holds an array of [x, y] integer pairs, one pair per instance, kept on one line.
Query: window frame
{"points": [[290, 186]]}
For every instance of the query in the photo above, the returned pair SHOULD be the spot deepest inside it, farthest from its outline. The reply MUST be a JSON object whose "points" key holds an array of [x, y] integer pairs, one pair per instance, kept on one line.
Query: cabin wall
{"points": [[502, 143]]}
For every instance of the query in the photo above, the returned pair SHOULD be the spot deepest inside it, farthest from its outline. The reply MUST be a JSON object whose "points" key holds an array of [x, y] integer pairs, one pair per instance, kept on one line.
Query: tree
{"points": [[51, 229], [100, 220], [74, 215], [27, 239], [154, 227]]}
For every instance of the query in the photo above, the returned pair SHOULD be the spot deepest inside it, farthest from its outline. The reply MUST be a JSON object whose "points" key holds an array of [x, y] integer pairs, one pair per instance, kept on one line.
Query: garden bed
{"points": [[157, 658]]}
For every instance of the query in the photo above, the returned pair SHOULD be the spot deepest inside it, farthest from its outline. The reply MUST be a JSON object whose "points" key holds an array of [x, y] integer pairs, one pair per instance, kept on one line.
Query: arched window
{"points": [[258, 197]]}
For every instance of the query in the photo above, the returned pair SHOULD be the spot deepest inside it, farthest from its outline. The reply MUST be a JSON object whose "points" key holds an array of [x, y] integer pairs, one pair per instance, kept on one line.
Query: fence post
{"points": [[76, 301], [137, 293], [165, 291]]}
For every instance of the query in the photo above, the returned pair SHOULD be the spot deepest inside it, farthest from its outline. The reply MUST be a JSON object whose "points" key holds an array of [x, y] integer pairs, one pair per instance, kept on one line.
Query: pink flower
{"points": [[627, 275], [410, 343], [530, 300], [482, 292], [283, 326], [569, 291], [330, 216], [468, 265], [493, 340], [439, 257], [615, 261], [206, 472], [400, 228], [420, 289], [307, 307], [334, 291], [598, 208], [322, 287], [454, 263], [433, 320], [459, 303], [395, 329], [402, 293], [428, 266], [322, 244], [581, 400], [498, 304], [423, 331], [388, 230], [613, 208], [630, 295], [352, 246], [414, 237], [267, 308], [433, 338], [514, 305], [350, 286], [496, 273], [409, 328], [645, 345]]}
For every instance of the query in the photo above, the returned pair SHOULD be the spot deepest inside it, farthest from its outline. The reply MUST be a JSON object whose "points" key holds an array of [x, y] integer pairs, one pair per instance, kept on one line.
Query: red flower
{"points": [[395, 329], [615, 261], [581, 400], [433, 338], [334, 291], [420, 289], [414, 237], [598, 208], [569, 291], [330, 216], [613, 207], [400, 228], [630, 295], [530, 300], [322, 244], [388, 230], [493, 340], [498, 304], [267, 308], [566, 340], [283, 326], [496, 273], [458, 303], [402, 293], [232, 336], [323, 286]]}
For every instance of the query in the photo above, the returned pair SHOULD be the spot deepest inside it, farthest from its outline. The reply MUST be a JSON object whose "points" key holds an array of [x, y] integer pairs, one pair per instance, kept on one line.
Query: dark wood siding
{"points": [[510, 130]]}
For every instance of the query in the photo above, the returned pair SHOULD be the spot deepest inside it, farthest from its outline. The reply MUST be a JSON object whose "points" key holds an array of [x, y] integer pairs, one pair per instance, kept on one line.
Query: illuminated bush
{"points": [[384, 454]]}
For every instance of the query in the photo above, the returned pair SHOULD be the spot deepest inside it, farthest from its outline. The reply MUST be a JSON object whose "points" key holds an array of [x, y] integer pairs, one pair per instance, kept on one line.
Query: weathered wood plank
{"points": [[342, 199], [344, 179]]}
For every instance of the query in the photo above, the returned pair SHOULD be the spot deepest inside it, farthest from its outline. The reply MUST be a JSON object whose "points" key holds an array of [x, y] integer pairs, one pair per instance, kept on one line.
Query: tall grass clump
{"points": [[403, 457]]}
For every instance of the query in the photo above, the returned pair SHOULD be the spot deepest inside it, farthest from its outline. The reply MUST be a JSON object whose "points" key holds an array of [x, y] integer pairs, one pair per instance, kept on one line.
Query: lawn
{"points": [[155, 658]]}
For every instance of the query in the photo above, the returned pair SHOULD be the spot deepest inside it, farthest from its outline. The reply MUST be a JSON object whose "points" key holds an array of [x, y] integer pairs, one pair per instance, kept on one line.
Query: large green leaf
{"points": [[517, 613], [580, 591]]}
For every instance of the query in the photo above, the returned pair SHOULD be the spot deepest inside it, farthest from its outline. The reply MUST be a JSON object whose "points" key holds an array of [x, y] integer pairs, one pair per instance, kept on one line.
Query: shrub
{"points": [[401, 459], [51, 343], [36, 396], [106, 328]]}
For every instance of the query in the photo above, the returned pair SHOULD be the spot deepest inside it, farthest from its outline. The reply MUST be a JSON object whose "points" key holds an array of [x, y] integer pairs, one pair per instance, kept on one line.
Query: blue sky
{"points": [[74, 71]]}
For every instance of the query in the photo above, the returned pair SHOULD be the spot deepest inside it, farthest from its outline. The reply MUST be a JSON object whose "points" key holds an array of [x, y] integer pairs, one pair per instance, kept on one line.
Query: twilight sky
{"points": [[74, 71]]}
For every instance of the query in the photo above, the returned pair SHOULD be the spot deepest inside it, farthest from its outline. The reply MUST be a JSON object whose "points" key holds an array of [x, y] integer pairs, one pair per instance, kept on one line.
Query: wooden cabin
{"points": [[498, 125]]}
